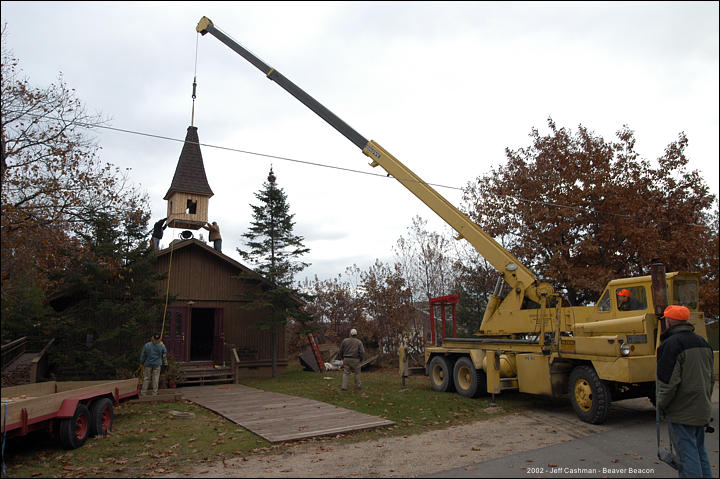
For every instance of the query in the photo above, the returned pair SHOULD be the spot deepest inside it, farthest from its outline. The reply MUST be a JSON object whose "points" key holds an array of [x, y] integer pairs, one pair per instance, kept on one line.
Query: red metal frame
{"points": [[67, 409], [443, 301]]}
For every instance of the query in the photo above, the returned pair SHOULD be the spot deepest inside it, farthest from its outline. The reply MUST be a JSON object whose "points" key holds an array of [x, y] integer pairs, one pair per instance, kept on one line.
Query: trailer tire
{"points": [[441, 377], [101, 417], [589, 395], [73, 431], [469, 382]]}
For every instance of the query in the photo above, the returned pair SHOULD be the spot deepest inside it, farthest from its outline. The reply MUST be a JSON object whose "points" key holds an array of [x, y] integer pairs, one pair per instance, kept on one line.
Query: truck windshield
{"points": [[604, 303], [685, 293]]}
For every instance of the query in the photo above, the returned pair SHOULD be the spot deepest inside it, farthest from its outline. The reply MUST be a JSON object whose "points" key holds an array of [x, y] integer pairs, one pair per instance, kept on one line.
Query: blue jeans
{"points": [[689, 441]]}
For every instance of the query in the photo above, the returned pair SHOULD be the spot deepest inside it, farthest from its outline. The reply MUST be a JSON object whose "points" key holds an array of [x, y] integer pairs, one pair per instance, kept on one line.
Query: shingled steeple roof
{"points": [[190, 171]]}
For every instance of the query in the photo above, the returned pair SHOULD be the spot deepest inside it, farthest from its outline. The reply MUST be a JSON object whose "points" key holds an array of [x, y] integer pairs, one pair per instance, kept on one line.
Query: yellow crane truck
{"points": [[528, 340]]}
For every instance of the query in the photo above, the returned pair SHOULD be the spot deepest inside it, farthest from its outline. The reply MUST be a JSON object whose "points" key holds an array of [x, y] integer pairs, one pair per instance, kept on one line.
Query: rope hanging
{"points": [[167, 292]]}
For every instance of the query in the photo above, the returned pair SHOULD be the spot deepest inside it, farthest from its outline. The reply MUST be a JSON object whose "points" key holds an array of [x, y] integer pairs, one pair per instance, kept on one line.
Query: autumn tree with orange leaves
{"points": [[72, 228], [51, 179], [579, 211]]}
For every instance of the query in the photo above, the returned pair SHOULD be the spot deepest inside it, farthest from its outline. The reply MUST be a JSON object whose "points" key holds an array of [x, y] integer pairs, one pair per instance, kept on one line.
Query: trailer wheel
{"points": [[469, 382], [441, 375], [101, 415], [73, 431], [589, 395]]}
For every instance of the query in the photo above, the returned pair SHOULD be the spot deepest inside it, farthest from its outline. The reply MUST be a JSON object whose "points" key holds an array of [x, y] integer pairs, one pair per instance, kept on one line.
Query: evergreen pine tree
{"points": [[275, 250], [273, 246], [112, 300]]}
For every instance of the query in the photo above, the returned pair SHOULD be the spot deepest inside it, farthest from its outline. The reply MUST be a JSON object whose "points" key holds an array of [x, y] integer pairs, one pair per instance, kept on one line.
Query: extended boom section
{"points": [[521, 279], [515, 274]]}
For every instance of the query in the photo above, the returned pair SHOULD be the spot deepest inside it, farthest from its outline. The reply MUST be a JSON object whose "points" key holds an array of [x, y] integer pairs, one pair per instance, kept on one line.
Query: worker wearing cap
{"points": [[626, 302], [152, 358], [351, 353], [684, 388]]}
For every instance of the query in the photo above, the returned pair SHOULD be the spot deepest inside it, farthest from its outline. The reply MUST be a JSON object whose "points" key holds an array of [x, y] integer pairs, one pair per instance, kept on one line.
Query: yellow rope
{"points": [[167, 292]]}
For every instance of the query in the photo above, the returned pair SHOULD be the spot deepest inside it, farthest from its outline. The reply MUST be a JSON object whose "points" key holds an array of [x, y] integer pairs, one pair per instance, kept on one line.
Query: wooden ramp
{"points": [[279, 417]]}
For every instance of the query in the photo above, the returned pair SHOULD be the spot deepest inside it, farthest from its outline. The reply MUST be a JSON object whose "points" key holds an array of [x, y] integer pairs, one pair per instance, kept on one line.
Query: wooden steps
{"points": [[202, 373], [163, 395]]}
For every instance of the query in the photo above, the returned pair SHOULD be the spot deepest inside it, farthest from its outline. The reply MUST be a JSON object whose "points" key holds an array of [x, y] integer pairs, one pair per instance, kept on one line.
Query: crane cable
{"points": [[192, 116]]}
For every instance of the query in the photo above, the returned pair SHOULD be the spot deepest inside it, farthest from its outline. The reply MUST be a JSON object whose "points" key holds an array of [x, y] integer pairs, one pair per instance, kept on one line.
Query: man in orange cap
{"points": [[626, 302], [683, 389]]}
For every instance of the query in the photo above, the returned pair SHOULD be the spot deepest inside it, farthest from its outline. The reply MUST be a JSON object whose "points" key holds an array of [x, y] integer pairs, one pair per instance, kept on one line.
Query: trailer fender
{"points": [[69, 405]]}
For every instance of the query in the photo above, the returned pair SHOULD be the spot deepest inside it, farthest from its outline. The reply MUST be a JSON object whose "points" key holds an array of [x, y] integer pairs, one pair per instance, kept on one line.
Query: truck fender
{"points": [[492, 372], [477, 356]]}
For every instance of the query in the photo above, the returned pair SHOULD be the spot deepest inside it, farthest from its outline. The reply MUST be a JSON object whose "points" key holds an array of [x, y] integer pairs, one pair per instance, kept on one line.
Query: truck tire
{"points": [[101, 417], [441, 378], [73, 431], [469, 382], [589, 395]]}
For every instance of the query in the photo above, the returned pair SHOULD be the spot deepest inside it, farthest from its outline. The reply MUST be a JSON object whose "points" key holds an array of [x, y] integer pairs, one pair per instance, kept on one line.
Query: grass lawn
{"points": [[146, 440]]}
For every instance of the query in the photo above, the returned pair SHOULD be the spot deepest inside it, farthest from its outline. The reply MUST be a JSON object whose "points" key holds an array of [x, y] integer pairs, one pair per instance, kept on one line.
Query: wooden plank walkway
{"points": [[279, 417]]}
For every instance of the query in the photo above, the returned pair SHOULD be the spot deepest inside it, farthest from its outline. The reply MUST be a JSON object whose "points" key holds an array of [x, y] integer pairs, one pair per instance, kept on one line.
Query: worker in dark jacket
{"points": [[157, 233], [351, 353], [683, 389]]}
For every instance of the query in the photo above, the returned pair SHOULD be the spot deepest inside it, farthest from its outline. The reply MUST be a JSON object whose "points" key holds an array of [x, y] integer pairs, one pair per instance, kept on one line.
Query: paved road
{"points": [[628, 449]]}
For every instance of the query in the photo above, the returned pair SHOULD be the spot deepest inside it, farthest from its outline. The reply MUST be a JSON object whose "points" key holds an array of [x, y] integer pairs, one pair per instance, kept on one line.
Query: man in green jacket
{"points": [[684, 388], [352, 352]]}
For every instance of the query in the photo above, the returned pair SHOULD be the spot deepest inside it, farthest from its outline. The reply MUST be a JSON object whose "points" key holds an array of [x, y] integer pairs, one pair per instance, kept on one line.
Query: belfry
{"points": [[189, 192]]}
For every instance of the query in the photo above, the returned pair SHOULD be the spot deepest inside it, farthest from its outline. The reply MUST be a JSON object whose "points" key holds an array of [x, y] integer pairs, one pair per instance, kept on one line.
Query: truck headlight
{"points": [[625, 349]]}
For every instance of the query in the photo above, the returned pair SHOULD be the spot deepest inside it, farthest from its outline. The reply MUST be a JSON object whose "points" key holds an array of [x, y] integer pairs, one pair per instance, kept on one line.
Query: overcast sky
{"points": [[445, 87]]}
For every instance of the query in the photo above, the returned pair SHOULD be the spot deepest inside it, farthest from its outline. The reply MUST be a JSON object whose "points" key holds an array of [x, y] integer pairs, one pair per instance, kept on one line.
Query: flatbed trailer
{"points": [[71, 411]]}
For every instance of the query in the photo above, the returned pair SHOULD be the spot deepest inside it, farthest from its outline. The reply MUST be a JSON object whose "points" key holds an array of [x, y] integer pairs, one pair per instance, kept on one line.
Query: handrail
{"points": [[39, 363], [13, 350]]}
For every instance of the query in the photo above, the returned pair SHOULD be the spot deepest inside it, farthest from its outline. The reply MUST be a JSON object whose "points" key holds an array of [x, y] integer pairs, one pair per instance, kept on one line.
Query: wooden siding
{"points": [[205, 280], [198, 275], [177, 204]]}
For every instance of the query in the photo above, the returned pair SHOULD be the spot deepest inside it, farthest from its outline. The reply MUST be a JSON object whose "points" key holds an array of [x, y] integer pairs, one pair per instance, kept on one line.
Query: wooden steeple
{"points": [[189, 192]]}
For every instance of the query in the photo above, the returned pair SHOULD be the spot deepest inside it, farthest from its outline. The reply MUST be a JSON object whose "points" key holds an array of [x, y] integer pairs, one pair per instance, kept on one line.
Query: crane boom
{"points": [[519, 277]]}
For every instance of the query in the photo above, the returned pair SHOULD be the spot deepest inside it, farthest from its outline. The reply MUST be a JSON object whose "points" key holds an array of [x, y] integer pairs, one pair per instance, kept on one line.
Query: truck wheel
{"points": [[101, 415], [469, 382], [589, 395], [73, 431], [441, 374]]}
